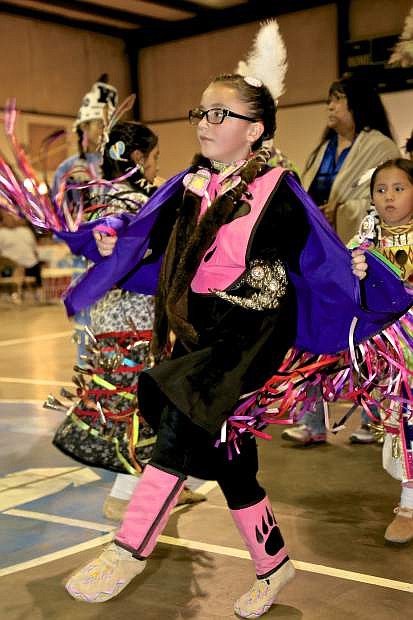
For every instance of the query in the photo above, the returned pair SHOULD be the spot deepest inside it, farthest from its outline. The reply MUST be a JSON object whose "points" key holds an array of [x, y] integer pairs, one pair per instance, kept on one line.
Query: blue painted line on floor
{"points": [[26, 431], [29, 538], [84, 502]]}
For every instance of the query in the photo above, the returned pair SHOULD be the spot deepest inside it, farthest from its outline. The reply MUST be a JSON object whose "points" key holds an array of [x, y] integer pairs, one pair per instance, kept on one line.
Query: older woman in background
{"points": [[337, 175], [356, 140]]}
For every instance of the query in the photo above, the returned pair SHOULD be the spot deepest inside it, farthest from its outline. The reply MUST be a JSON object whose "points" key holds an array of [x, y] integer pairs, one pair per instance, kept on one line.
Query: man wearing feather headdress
{"points": [[96, 106]]}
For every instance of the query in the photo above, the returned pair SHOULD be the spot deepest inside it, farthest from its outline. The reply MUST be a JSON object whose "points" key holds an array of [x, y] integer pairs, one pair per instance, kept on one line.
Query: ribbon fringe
{"points": [[377, 373], [23, 194]]}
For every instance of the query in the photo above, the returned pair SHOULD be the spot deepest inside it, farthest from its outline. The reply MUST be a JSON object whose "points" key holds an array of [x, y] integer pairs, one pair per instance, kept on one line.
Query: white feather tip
{"points": [[242, 68], [267, 59]]}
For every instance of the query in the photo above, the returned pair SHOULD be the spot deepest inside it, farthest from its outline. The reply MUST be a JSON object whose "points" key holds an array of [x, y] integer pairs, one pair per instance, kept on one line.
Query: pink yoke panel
{"points": [[224, 261], [149, 509]]}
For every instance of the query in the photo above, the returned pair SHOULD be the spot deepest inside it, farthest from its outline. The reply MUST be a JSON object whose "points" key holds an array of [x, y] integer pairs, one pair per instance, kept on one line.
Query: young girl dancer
{"points": [[230, 288], [118, 320], [103, 427], [225, 343], [390, 230], [250, 268]]}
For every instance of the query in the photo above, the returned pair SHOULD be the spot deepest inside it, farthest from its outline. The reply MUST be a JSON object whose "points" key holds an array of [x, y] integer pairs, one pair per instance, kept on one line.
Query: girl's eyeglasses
{"points": [[215, 116]]}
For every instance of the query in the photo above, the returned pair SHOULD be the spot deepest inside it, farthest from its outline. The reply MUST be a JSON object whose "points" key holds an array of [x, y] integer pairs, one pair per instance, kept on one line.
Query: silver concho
{"points": [[368, 227], [269, 280]]}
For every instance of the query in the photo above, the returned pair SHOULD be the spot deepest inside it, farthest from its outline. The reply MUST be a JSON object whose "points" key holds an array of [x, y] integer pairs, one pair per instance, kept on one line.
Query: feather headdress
{"points": [[109, 121], [267, 59], [402, 55]]}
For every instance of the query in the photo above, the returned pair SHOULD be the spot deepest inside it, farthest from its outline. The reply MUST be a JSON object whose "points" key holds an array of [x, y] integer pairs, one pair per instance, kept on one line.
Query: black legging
{"points": [[36, 273], [178, 439]]}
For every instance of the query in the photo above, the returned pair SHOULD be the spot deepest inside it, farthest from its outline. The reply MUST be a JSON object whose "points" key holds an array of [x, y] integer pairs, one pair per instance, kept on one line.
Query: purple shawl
{"points": [[133, 240], [328, 294]]}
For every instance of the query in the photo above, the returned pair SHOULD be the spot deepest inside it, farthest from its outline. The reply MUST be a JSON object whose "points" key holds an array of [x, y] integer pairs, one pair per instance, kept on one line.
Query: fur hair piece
{"points": [[402, 55], [267, 59]]}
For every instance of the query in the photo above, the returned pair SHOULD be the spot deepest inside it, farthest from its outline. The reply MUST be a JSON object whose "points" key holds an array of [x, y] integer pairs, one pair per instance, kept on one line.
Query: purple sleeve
{"points": [[82, 242]]}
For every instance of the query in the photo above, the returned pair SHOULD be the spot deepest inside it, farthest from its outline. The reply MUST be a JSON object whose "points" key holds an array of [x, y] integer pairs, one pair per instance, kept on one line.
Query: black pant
{"points": [[179, 441], [35, 272]]}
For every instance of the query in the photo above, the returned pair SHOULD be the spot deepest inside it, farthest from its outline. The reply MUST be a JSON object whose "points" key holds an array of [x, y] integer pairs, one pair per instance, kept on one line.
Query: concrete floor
{"points": [[333, 503]]}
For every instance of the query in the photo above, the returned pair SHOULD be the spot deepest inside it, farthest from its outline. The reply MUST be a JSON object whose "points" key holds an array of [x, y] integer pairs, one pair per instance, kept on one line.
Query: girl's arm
{"points": [[83, 242]]}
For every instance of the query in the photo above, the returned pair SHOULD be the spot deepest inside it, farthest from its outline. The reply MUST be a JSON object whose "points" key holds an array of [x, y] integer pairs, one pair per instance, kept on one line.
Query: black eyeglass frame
{"points": [[200, 114]]}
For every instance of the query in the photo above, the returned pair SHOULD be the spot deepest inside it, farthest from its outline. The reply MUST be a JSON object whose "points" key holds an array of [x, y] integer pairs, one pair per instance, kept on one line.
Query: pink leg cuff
{"points": [[262, 536], [149, 509]]}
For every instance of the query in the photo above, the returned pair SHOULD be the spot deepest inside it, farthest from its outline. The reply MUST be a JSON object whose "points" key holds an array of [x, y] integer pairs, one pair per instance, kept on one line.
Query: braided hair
{"points": [[125, 138]]}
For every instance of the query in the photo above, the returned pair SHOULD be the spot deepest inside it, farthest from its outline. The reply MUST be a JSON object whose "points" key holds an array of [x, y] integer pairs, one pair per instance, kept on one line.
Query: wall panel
{"points": [[173, 75], [311, 40], [372, 18], [49, 68]]}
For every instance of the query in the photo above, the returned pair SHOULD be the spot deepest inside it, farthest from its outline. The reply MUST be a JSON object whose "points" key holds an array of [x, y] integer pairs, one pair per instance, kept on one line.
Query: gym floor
{"points": [[333, 503]]}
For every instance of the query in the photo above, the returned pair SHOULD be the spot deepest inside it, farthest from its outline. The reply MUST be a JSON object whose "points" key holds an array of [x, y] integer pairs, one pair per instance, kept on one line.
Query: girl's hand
{"points": [[105, 243], [359, 264]]}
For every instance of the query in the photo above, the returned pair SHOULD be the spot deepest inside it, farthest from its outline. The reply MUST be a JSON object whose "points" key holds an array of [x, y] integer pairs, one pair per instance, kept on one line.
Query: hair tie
{"points": [[117, 150], [252, 81]]}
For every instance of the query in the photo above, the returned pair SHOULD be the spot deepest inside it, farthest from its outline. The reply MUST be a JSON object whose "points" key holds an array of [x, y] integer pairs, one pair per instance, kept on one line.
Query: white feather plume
{"points": [[402, 55], [267, 59], [242, 68]]}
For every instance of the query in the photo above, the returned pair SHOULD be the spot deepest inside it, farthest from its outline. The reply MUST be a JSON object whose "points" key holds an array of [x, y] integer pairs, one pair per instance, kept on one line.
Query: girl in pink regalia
{"points": [[227, 232], [250, 268]]}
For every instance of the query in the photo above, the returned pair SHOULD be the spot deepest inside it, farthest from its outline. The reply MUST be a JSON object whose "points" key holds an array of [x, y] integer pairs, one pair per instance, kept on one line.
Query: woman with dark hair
{"points": [[356, 140], [103, 427]]}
